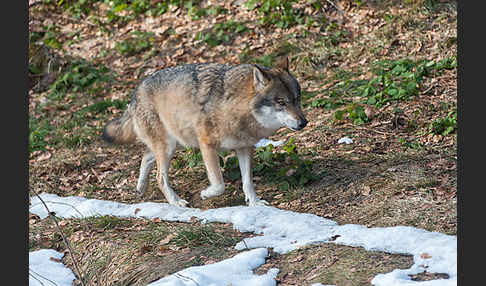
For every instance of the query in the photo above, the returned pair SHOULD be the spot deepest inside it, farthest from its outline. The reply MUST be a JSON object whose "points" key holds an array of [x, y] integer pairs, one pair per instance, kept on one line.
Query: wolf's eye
{"points": [[281, 101]]}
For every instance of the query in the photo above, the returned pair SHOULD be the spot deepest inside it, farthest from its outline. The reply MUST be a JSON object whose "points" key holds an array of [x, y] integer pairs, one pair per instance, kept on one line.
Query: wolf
{"points": [[210, 106]]}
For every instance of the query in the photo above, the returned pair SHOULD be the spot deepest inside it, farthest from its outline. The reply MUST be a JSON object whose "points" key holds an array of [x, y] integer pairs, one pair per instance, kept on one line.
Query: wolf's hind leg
{"points": [[244, 159], [146, 166], [163, 153], [211, 161], [151, 131]]}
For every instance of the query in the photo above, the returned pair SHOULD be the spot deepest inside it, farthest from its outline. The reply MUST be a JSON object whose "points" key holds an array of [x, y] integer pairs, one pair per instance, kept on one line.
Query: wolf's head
{"points": [[277, 102]]}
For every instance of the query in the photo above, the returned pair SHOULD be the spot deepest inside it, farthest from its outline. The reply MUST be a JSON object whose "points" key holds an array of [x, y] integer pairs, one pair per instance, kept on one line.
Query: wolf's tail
{"points": [[120, 130]]}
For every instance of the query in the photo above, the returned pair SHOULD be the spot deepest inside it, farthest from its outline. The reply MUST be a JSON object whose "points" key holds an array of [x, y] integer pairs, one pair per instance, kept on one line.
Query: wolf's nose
{"points": [[303, 123]]}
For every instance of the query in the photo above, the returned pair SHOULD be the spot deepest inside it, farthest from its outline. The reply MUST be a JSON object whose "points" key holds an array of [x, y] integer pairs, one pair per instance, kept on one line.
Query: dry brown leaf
{"points": [[366, 190], [167, 239], [425, 255], [45, 156], [55, 259]]}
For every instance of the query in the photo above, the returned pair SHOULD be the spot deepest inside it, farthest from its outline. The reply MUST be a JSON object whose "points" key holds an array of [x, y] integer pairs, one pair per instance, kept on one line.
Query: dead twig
{"points": [[31, 274], [186, 278], [428, 89], [68, 245], [34, 3], [373, 130], [246, 246], [337, 8], [59, 203], [86, 21]]}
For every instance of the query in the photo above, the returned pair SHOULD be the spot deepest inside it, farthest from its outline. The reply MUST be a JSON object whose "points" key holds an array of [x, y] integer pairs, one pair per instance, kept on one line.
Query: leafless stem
{"points": [[68, 245], [373, 130], [32, 3], [246, 246], [37, 279], [74, 20], [182, 277], [59, 203], [337, 8]]}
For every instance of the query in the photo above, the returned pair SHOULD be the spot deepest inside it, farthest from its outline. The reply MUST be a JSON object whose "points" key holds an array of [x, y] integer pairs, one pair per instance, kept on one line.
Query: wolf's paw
{"points": [[212, 191], [257, 202], [140, 192], [179, 203]]}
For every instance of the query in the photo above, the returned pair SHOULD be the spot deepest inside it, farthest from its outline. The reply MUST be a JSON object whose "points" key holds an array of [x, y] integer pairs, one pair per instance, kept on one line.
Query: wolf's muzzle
{"points": [[302, 124]]}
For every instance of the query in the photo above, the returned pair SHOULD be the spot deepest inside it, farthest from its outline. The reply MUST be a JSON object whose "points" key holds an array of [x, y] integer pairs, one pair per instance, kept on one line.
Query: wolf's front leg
{"points": [[244, 159], [211, 161]]}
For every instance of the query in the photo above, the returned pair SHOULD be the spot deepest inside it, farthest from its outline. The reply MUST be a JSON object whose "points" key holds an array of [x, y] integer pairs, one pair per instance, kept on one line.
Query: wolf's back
{"points": [[206, 82]]}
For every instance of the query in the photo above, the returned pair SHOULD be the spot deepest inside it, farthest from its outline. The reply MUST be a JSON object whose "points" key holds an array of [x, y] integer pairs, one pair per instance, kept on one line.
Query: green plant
{"points": [[136, 43], [50, 37], [79, 117], [79, 76], [395, 80], [392, 80], [444, 126], [195, 236], [231, 166], [197, 13], [152, 234], [77, 8], [82, 136], [284, 48], [430, 4], [103, 105], [354, 112], [193, 157], [334, 35], [80, 132], [411, 144], [399, 79], [277, 12], [70, 131], [328, 103], [106, 222], [265, 60], [288, 167], [221, 33], [38, 130], [134, 8]]}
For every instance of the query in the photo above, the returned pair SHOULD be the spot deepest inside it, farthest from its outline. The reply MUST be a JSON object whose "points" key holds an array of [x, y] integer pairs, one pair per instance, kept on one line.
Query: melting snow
{"points": [[264, 142], [282, 230], [346, 140], [44, 270], [234, 271]]}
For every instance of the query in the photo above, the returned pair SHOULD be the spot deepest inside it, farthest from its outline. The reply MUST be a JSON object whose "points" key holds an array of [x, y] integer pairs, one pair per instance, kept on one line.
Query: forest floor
{"points": [[383, 75]]}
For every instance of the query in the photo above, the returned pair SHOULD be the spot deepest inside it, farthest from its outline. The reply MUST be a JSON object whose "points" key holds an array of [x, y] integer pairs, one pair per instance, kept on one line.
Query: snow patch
{"points": [[285, 231], [235, 271], [44, 270], [264, 142], [346, 140]]}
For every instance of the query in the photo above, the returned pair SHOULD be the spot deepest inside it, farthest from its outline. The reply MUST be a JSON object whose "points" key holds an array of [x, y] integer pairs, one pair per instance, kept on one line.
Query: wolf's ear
{"points": [[260, 79], [282, 63]]}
